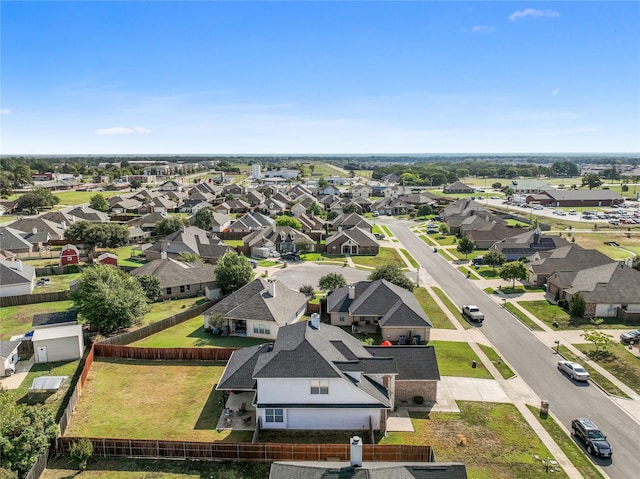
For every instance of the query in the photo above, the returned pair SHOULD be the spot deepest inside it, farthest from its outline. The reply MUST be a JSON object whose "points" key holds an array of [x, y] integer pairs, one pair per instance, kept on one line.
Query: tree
{"points": [[98, 202], [232, 272], [494, 259], [496, 186], [636, 263], [322, 183], [424, 210], [303, 245], [92, 235], [314, 209], [350, 208], [289, 221], [508, 191], [393, 274], [444, 229], [217, 321], [577, 305], [6, 189], [600, 340], [166, 226], [81, 451], [465, 246], [109, 299], [307, 290], [135, 184], [592, 180], [25, 433], [189, 257], [36, 200], [331, 281], [151, 286], [514, 270], [204, 218]]}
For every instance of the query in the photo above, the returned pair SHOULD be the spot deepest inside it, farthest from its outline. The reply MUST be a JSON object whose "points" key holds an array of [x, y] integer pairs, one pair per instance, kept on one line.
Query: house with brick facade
{"points": [[354, 241], [318, 376]]}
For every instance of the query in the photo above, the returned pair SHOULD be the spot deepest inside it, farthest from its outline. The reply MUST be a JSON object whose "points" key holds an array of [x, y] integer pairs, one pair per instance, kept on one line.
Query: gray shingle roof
{"points": [[371, 470], [414, 363], [8, 347], [609, 283], [13, 240], [15, 272], [49, 319], [173, 273], [568, 258]]}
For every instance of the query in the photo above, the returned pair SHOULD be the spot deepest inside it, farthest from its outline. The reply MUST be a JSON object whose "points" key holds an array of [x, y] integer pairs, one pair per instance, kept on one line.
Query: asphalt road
{"points": [[533, 360]]}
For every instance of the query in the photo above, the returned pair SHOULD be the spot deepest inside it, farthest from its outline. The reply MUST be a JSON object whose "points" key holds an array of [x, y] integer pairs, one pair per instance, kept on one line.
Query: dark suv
{"points": [[595, 442]]}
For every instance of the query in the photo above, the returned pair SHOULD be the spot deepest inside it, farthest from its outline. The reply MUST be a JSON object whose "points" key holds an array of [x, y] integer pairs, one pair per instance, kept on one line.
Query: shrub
{"points": [[71, 268], [81, 451], [563, 303], [418, 399], [307, 290], [368, 341]]}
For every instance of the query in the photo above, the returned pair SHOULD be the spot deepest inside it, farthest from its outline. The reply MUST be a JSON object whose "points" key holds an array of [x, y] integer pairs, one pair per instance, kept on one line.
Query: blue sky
{"points": [[319, 77]]}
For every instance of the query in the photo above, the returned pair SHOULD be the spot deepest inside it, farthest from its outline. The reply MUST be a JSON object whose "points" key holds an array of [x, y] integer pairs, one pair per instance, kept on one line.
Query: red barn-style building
{"points": [[69, 255], [108, 258]]}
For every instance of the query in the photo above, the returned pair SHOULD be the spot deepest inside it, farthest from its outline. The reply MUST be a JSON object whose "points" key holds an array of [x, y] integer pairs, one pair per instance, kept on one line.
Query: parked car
{"points": [[478, 260], [473, 313], [274, 254], [290, 256], [254, 263], [630, 337], [574, 370], [538, 207], [378, 236], [593, 439]]}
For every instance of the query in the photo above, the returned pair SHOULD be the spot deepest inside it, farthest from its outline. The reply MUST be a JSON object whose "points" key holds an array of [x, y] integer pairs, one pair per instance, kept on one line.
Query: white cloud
{"points": [[531, 12], [4, 111], [555, 91], [121, 130], [482, 29]]}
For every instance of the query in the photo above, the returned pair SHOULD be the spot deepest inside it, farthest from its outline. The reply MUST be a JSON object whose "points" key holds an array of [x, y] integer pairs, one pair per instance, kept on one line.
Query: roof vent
{"points": [[356, 451], [315, 321]]}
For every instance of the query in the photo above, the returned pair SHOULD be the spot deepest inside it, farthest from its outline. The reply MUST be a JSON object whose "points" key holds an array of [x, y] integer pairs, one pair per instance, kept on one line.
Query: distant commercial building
{"points": [[255, 172]]}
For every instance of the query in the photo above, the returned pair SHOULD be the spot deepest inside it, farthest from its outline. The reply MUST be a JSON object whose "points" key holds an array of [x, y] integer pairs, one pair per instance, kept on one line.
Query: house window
{"points": [[319, 386], [261, 329], [341, 317], [274, 415], [182, 289], [168, 291]]}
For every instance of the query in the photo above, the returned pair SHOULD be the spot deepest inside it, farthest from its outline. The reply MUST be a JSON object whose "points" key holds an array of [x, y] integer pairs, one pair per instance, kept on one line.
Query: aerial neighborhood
{"points": [[307, 317]]}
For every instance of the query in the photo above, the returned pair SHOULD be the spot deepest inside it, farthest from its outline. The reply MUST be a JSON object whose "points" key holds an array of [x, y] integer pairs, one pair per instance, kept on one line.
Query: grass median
{"points": [[435, 314], [505, 371], [451, 307], [526, 320]]}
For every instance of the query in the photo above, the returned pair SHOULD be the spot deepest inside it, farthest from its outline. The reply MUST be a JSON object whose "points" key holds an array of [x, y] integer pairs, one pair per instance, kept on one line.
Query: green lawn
{"points": [[59, 282], [173, 400], [573, 452], [16, 320], [502, 367], [124, 257], [454, 359], [526, 320], [7, 218], [493, 440], [435, 314], [125, 468], [468, 272], [547, 312], [387, 231], [191, 334], [618, 360], [233, 243], [596, 377], [452, 307], [468, 257], [488, 272], [412, 261], [385, 255], [164, 309], [75, 197], [444, 240]]}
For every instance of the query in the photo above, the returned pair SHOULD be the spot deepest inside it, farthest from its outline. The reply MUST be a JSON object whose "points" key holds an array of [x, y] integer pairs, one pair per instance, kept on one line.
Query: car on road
{"points": [[473, 313], [290, 256], [538, 207], [593, 439], [630, 337], [495, 197], [574, 370]]}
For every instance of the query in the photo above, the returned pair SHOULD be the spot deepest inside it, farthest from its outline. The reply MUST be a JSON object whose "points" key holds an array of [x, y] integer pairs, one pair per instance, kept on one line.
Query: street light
{"points": [[557, 343]]}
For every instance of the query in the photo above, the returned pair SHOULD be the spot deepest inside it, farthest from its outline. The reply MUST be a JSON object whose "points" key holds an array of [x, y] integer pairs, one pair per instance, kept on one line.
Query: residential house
{"points": [[16, 278], [14, 241], [454, 214], [125, 205], [179, 279], [328, 190], [221, 222], [196, 194], [255, 197], [281, 238], [570, 257], [193, 206], [529, 187], [353, 241], [316, 376], [359, 191], [251, 222], [327, 201], [271, 207], [9, 357], [608, 290], [457, 187], [147, 222], [69, 255], [58, 343], [392, 206], [171, 185], [348, 221], [297, 191], [84, 213], [193, 240], [394, 310], [259, 309], [527, 244], [178, 197], [311, 225], [233, 189], [37, 224], [485, 233], [396, 191]]}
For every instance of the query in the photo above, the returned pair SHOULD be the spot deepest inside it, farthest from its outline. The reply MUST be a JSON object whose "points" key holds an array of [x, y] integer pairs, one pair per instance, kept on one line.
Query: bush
{"points": [[563, 303], [81, 451], [71, 268], [418, 399]]}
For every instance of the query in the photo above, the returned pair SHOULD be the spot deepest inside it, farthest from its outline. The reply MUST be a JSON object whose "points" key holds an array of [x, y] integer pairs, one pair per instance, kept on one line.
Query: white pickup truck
{"points": [[473, 313]]}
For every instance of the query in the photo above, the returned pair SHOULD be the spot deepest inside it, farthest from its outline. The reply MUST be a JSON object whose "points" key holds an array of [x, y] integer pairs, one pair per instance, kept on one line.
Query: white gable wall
{"points": [[298, 391], [323, 419]]}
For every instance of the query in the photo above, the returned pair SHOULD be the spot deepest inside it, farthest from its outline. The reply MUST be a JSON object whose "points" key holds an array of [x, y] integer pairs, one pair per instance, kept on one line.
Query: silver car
{"points": [[574, 370]]}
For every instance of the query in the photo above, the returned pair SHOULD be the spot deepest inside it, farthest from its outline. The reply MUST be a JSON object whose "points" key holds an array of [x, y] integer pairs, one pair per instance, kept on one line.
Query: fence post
{"points": [[104, 448], [157, 448], [130, 449], [238, 452]]}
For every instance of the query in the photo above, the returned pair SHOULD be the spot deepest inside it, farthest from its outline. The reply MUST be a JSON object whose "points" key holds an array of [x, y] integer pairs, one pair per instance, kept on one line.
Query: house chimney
{"points": [[163, 255], [19, 265], [315, 321], [271, 284], [352, 291], [356, 451], [34, 230], [64, 225], [536, 236]]}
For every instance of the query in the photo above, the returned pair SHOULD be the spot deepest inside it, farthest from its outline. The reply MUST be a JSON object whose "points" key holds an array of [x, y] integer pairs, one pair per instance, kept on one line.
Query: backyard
{"points": [[173, 400], [17, 319]]}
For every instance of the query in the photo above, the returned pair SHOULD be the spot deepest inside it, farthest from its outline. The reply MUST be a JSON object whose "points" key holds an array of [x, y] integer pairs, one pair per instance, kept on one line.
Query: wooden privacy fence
{"points": [[65, 418], [34, 298], [141, 333], [166, 354], [264, 452]]}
